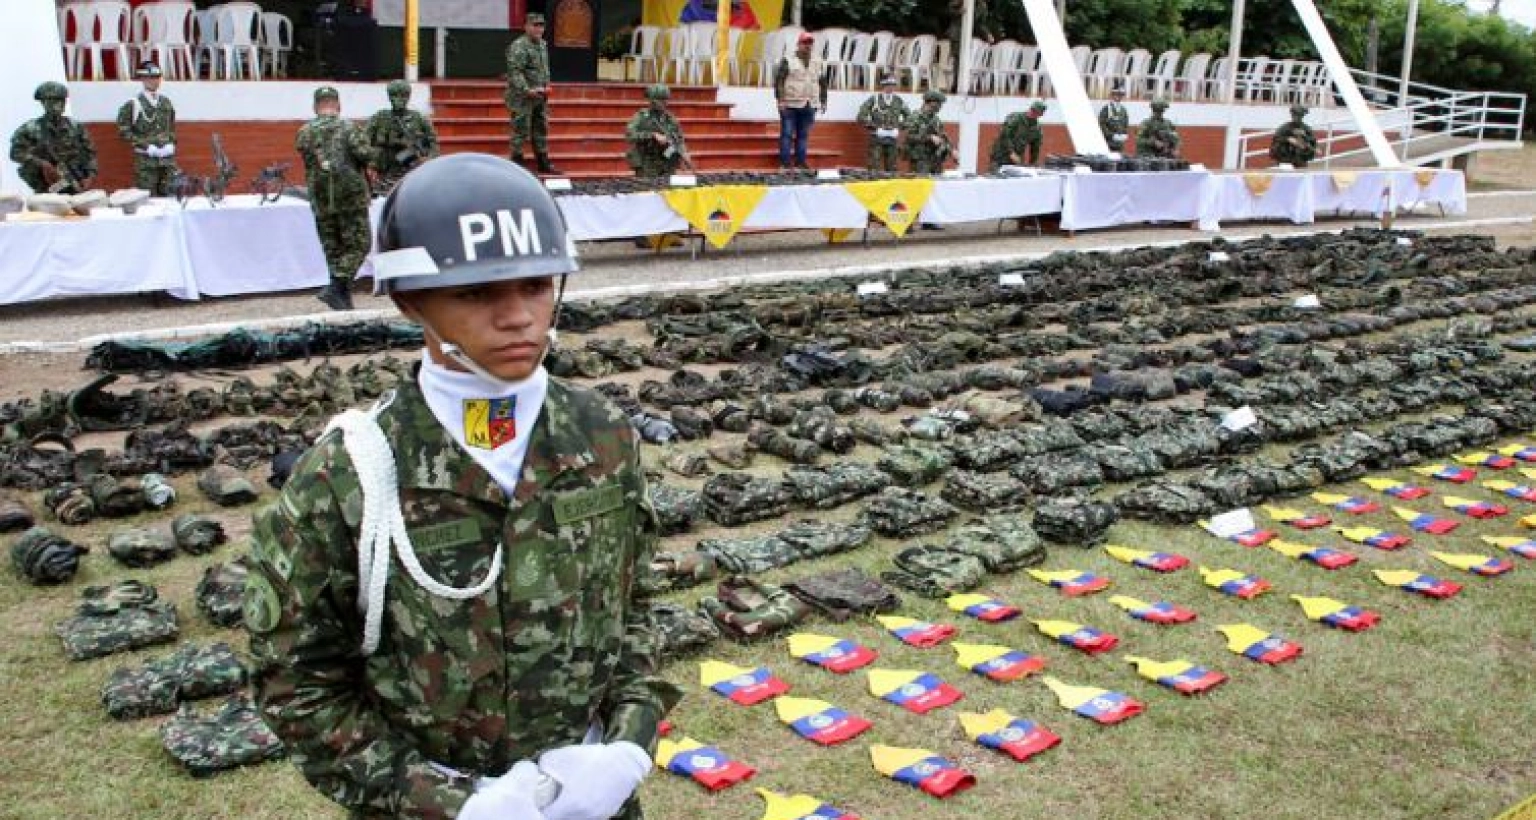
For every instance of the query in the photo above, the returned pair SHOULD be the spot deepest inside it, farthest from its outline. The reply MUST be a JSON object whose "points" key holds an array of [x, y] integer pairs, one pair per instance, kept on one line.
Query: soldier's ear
{"points": [[403, 304]]}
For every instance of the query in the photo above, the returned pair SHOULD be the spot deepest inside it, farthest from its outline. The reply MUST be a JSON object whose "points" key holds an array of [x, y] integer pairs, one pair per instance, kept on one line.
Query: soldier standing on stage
{"points": [[528, 93], [401, 138], [1018, 143], [928, 146], [656, 145], [1294, 141], [336, 155], [883, 116], [1157, 136], [53, 153], [148, 124], [1115, 121]]}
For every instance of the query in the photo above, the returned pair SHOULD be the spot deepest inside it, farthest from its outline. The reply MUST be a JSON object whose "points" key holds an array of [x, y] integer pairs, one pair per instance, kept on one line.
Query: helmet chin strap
{"points": [[456, 354]]}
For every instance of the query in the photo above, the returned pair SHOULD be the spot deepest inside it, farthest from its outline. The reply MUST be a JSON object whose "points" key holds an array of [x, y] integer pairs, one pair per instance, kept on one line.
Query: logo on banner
{"points": [[898, 216], [719, 226], [490, 423]]}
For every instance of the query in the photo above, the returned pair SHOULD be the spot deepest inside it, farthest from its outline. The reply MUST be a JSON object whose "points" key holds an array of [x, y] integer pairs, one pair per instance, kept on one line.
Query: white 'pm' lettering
{"points": [[521, 233]]}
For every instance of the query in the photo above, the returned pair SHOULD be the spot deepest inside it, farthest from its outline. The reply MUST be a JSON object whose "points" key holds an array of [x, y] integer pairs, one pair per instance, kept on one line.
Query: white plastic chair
{"points": [[1251, 77], [1081, 55], [1190, 83], [1164, 72], [861, 68], [944, 65], [918, 64], [1214, 87], [1103, 67], [161, 35], [1030, 69], [1277, 84], [981, 69], [101, 38], [831, 48], [883, 57], [276, 43], [643, 42], [1133, 70], [233, 53], [1315, 86], [1003, 66], [674, 42], [701, 48]]}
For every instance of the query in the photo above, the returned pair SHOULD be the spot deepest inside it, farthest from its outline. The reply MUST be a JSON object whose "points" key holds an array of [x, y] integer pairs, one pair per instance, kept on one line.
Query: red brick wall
{"points": [[1201, 144], [250, 145]]}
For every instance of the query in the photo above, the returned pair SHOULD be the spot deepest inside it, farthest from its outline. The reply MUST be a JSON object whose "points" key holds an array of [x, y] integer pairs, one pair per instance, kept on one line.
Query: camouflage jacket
{"points": [[920, 128], [64, 144], [335, 152], [527, 68], [875, 113], [564, 640], [1019, 132], [142, 125], [645, 152], [1157, 137], [390, 134], [1293, 143], [1114, 119]]}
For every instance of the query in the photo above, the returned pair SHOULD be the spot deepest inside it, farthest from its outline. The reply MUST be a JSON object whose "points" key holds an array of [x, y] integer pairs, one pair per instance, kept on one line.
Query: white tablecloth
{"points": [[1228, 199], [619, 216], [977, 200], [1105, 200], [1366, 194], [1447, 191], [243, 246], [808, 207], [93, 257]]}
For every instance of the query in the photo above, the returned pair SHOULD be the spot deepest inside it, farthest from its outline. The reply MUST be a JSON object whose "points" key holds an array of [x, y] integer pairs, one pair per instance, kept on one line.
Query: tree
{"points": [[1273, 28]]}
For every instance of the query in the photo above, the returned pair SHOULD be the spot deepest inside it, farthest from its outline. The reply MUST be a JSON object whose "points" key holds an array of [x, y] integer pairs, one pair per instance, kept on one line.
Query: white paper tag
{"points": [[1114, 155], [1405, 241], [1081, 169], [872, 288], [1285, 166], [1219, 256], [1308, 301], [1232, 523], [558, 184], [1197, 166], [1240, 419], [1010, 279], [683, 181], [108, 212], [953, 173], [829, 174]]}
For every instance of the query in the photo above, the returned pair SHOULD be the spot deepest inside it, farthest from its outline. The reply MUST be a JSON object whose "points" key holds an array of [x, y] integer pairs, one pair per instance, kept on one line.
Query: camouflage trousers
{"points": [[926, 162], [153, 175], [530, 122], [881, 157], [345, 237]]}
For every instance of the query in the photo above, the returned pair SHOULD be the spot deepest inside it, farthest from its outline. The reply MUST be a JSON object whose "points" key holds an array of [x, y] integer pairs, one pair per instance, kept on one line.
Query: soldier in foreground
{"points": [[928, 146], [656, 145], [528, 93], [510, 671], [1157, 136], [148, 124], [1294, 141], [53, 153], [1018, 143], [401, 138], [883, 116], [336, 155], [1114, 120]]}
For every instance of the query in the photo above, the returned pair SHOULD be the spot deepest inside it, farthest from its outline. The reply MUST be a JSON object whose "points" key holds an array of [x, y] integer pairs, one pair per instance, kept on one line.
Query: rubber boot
{"points": [[337, 295], [545, 166]]}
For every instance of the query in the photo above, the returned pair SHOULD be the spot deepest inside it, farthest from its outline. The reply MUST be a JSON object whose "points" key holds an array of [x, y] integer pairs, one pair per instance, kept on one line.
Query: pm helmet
{"points": [[469, 219]]}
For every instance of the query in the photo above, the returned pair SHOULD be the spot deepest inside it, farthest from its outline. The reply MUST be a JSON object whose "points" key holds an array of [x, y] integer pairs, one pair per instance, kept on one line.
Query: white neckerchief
{"points": [[469, 407]]}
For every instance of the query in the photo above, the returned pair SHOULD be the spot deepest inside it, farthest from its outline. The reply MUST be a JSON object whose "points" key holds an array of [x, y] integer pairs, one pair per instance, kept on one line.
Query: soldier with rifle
{"points": [[335, 153], [53, 153], [656, 144], [1157, 136], [401, 138], [928, 146], [1294, 142]]}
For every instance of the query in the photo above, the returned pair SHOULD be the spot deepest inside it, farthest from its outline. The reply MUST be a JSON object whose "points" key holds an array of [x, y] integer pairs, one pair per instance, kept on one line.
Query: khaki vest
{"points": [[802, 84]]}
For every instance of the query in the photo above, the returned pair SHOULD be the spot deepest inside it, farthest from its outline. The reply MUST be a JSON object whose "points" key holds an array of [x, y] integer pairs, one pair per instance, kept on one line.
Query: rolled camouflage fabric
{"points": [[1122, 463], [776, 443], [996, 377], [42, 557], [682, 630], [1165, 501], [692, 424], [652, 428], [877, 399], [935, 572], [116, 498], [71, 504], [746, 610], [730, 417], [826, 487], [220, 594], [193, 671], [233, 735], [138, 547], [734, 455], [1059, 472], [111, 599], [676, 507], [987, 451], [680, 570], [1075, 521], [873, 432], [749, 556], [1064, 402], [915, 464], [117, 619], [823, 427], [687, 464], [1052, 435], [226, 486], [841, 594], [1003, 543], [158, 492], [996, 412], [898, 512], [15, 515], [197, 534], [841, 401], [772, 409], [983, 492], [815, 539]]}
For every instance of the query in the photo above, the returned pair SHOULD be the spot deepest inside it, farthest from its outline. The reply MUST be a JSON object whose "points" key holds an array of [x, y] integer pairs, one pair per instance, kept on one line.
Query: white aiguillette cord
{"points": [[383, 525]]}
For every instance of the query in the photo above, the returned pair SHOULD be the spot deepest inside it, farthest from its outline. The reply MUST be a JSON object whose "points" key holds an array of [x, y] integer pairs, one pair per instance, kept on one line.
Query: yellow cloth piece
{"points": [[788, 806], [1241, 636], [1289, 549], [882, 682], [1071, 696], [1395, 577], [1512, 449], [896, 202], [1153, 670], [968, 655], [1424, 178], [1318, 608], [713, 672], [1381, 484], [1428, 469], [837, 235], [1283, 514], [1528, 472], [792, 709], [897, 622], [1529, 522], [976, 725], [1504, 541], [666, 749], [1258, 184], [805, 643], [666, 13], [1056, 629], [1128, 603], [1217, 577], [1126, 554], [889, 760], [1460, 560], [717, 211], [1473, 459], [1500, 485], [1329, 498], [963, 601], [1344, 180], [1357, 534], [1451, 502]]}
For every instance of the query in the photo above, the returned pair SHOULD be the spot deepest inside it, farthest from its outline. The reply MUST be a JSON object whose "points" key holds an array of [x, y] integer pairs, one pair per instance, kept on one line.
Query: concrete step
{"points": [[588, 165], [693, 127], [576, 109], [492, 90], [616, 145]]}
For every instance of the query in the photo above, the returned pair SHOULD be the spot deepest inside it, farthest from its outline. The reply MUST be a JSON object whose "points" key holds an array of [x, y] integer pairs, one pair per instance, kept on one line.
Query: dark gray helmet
{"points": [[468, 219]]}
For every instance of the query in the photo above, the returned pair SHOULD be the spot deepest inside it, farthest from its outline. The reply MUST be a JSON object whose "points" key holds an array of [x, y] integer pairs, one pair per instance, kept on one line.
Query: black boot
{"points": [[337, 295], [545, 166], [518, 160]]}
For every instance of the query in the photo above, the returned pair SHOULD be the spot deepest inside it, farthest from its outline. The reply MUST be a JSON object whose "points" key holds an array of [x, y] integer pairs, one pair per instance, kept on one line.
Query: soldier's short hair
{"points": [[934, 95], [327, 92], [397, 87], [658, 92], [51, 91]]}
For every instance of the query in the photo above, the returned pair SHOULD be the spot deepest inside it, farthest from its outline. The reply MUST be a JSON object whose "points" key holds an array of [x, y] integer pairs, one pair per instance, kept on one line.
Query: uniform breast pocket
{"points": [[595, 527]]}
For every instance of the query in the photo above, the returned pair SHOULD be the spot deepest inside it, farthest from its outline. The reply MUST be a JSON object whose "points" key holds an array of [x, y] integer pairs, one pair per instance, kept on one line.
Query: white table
{"points": [[619, 216], [1447, 190], [1363, 191], [808, 207], [1091, 200], [978, 200], [1228, 198], [243, 246], [93, 257]]}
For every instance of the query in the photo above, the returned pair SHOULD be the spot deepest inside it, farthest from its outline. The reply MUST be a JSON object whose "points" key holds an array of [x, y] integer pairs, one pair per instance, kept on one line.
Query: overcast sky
{"points": [[1520, 11]]}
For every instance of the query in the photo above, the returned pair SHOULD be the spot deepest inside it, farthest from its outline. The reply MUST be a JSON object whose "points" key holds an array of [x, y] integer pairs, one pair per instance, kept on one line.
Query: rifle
{"points": [[413, 153], [214, 187], [270, 182], [70, 174], [184, 187]]}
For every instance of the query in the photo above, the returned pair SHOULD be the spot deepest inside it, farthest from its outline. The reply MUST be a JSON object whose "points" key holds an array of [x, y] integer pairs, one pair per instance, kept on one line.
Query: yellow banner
{"points": [[757, 14], [718, 211], [1258, 184], [1424, 178], [896, 202], [722, 41], [1343, 180]]}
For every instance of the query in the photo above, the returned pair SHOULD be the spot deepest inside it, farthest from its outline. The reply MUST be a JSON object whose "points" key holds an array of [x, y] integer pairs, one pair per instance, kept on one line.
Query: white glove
{"points": [[509, 797], [167, 150], [595, 779]]}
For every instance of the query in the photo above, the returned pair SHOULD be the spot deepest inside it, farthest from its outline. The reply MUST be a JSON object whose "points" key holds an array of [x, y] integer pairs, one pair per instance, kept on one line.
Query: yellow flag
{"points": [[1344, 180], [1258, 184], [717, 211], [896, 202], [789, 806], [976, 724], [1424, 178]]}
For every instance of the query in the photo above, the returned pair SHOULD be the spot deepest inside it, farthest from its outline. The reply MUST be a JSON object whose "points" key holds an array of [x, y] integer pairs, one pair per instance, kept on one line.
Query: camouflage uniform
{"points": [[335, 153], [882, 111], [927, 158], [1114, 121], [1020, 137], [57, 140], [1157, 136], [647, 157], [562, 642], [528, 68], [143, 122], [400, 140], [1294, 141]]}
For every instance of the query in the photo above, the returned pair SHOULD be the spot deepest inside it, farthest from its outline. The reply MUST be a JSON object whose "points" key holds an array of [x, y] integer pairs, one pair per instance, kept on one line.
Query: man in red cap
{"points": [[800, 86]]}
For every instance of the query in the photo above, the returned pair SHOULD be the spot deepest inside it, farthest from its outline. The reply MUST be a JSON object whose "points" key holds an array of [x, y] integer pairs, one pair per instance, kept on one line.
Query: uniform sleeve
{"points": [[306, 640], [517, 68], [865, 112], [125, 123], [357, 143], [87, 150], [170, 122], [429, 137], [639, 698]]}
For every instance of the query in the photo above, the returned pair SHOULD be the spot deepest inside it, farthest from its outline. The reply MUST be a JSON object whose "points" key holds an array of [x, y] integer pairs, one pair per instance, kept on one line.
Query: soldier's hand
{"points": [[595, 780], [1014, 158], [936, 139], [50, 172], [86, 184], [661, 139]]}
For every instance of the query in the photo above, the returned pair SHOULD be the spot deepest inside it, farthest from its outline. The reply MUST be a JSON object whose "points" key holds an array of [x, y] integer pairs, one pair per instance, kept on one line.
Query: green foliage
{"points": [[1274, 29]]}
